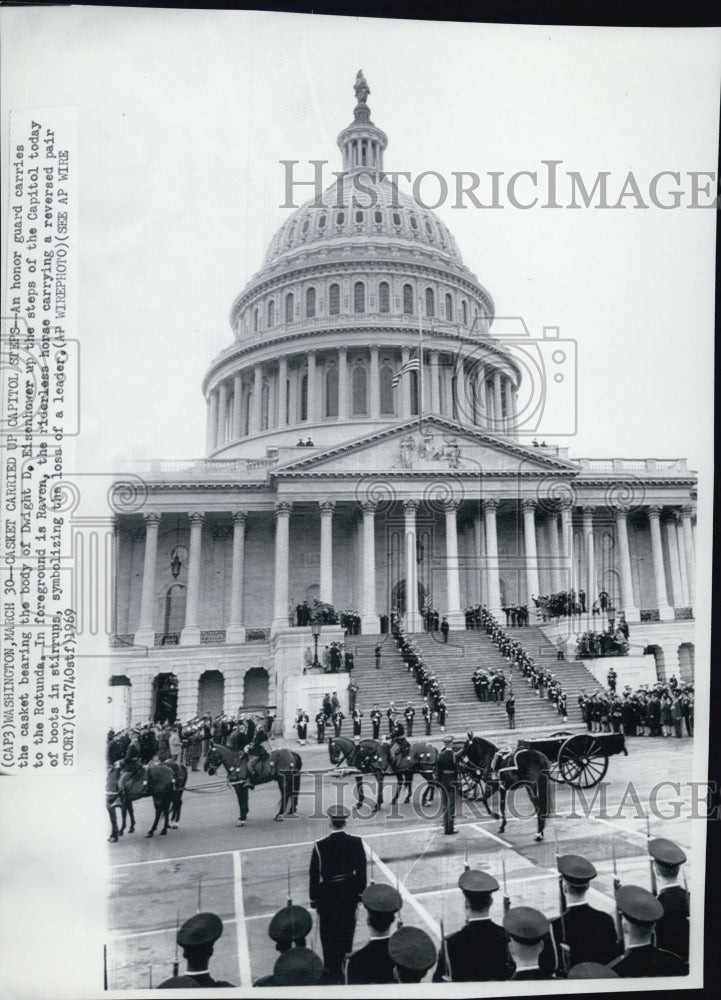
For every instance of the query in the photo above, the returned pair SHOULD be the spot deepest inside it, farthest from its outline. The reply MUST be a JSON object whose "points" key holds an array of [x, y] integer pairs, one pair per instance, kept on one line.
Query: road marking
{"points": [[493, 836], [241, 933], [406, 895], [171, 860], [158, 930]]}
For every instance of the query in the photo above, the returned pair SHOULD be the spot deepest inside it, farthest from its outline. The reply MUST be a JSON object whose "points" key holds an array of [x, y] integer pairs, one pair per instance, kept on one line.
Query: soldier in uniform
{"points": [[589, 933], [197, 937], [412, 953], [338, 717], [447, 775], [301, 724], [526, 929], [337, 880], [672, 929], [409, 714], [320, 726], [357, 716], [426, 713], [442, 709], [479, 951], [257, 752], [298, 967], [391, 716], [371, 964], [640, 911], [376, 721]]}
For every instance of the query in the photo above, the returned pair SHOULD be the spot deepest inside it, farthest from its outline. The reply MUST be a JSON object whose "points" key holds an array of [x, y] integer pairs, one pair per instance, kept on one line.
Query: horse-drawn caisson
{"points": [[378, 759]]}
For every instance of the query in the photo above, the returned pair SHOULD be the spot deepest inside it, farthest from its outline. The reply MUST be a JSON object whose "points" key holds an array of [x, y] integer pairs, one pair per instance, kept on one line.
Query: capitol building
{"points": [[370, 445]]}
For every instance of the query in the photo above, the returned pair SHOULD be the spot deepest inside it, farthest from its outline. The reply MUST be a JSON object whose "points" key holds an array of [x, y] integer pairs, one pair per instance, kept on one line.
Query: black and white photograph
{"points": [[357, 499]]}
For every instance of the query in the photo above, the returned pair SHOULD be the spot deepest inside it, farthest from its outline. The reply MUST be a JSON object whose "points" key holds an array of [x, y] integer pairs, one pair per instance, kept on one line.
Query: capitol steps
{"points": [[454, 663]]}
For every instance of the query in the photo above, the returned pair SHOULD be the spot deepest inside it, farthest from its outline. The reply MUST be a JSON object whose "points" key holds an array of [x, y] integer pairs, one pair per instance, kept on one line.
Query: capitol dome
{"points": [[350, 283]]}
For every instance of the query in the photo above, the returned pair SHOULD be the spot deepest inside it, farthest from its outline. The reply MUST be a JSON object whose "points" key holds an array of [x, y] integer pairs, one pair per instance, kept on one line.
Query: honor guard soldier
{"points": [[526, 929], [357, 715], [298, 967], [288, 928], [426, 713], [479, 951], [197, 937], [640, 911], [672, 929], [412, 953], [447, 774], [409, 714], [337, 880], [320, 726], [372, 963], [589, 933], [376, 721]]}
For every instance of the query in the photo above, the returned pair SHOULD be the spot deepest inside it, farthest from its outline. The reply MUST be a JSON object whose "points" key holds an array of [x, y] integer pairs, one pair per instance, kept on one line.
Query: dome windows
{"points": [[334, 299], [271, 313], [289, 307], [255, 320], [464, 312], [396, 218], [359, 390], [359, 297], [359, 217], [449, 307], [340, 218], [414, 221], [331, 392], [430, 302], [384, 297], [378, 217], [386, 390], [322, 219], [306, 226], [408, 300], [310, 303]]}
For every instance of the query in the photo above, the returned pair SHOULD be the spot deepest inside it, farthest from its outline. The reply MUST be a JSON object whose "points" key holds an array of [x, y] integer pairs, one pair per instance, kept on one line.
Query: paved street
{"points": [[244, 874]]}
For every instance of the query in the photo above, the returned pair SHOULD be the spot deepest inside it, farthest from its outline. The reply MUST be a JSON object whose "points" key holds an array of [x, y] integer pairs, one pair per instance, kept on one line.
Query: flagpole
{"points": [[420, 363]]}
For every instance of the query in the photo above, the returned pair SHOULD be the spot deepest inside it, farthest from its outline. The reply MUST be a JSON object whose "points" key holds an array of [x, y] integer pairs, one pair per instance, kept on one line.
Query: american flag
{"points": [[413, 365]]}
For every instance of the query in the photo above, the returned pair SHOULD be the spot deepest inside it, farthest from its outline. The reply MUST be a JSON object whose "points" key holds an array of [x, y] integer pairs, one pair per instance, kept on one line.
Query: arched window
{"points": [[359, 297], [359, 216], [340, 218], [414, 221], [310, 303], [408, 299], [331, 392], [304, 398], [289, 307], [334, 299], [378, 216], [321, 221], [384, 297], [386, 387], [430, 302], [449, 307], [271, 313], [414, 393], [255, 320], [360, 390], [264, 406], [396, 218], [464, 312], [174, 617]]}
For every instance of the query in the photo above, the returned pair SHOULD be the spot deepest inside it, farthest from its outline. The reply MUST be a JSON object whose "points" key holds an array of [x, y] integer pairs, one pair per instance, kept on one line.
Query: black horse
{"points": [[483, 766], [163, 782], [282, 766], [378, 758]]}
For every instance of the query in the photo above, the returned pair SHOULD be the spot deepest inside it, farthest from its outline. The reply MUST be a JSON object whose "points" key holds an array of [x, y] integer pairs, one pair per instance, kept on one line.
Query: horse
{"points": [[378, 758], [508, 770], [113, 802], [158, 781], [282, 766]]}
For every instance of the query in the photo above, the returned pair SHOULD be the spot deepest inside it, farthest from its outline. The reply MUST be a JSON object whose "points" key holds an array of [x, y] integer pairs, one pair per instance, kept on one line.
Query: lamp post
{"points": [[315, 628], [611, 612]]}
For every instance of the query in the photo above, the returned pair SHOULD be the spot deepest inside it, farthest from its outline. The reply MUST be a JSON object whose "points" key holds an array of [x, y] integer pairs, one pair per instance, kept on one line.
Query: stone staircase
{"points": [[454, 663]]}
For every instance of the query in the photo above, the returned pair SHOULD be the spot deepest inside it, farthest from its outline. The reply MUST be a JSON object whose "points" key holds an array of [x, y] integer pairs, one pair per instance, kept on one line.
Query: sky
{"points": [[184, 117]]}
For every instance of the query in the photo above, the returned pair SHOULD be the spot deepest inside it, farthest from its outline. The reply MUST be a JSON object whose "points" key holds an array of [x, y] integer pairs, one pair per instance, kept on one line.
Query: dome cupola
{"points": [[362, 143]]}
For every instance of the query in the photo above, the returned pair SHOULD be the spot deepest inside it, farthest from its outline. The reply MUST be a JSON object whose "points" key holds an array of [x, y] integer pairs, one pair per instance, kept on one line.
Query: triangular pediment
{"points": [[439, 445]]}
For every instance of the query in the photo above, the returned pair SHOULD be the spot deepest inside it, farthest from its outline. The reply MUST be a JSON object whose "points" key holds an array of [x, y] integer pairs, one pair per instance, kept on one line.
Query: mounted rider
{"points": [[256, 752], [131, 766], [399, 745]]}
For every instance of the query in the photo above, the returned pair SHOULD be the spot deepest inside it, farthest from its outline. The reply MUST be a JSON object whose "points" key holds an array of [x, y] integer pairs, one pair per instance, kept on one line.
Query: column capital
{"points": [[654, 510], [566, 503], [687, 510], [327, 506], [450, 505], [151, 518], [491, 504], [528, 504], [620, 512], [196, 517], [283, 507], [410, 506], [368, 506], [239, 516]]}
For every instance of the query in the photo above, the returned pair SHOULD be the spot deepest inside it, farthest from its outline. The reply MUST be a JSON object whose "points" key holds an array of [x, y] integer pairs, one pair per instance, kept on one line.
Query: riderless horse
{"points": [[379, 758], [282, 766], [165, 783], [504, 770]]}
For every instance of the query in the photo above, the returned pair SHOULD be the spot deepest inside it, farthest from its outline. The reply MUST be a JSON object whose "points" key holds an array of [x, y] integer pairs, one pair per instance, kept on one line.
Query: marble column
{"points": [[343, 391], [456, 618], [665, 611], [235, 631], [508, 421], [690, 557], [669, 525], [479, 549], [293, 408], [413, 618], [435, 401], [493, 593], [282, 393], [222, 413], [282, 565], [681, 555], [628, 603], [312, 396], [255, 409], [497, 402], [237, 406], [374, 386], [566, 572], [212, 427], [557, 582], [190, 635], [529, 538], [145, 636], [326, 550], [370, 622], [590, 554]]}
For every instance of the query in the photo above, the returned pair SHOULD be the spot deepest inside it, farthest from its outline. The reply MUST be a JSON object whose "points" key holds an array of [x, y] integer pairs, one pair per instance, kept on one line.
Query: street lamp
{"points": [[611, 612], [315, 627]]}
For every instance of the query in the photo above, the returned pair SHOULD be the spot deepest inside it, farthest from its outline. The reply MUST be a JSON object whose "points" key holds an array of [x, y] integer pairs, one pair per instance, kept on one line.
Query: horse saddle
{"points": [[132, 784]]}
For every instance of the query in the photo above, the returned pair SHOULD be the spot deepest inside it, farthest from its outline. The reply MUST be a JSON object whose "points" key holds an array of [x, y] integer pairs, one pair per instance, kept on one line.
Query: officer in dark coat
{"points": [[426, 713], [376, 721], [197, 937], [372, 964], [409, 714], [337, 881], [589, 933], [640, 911], [526, 929], [413, 953], [479, 951], [447, 775], [672, 929]]}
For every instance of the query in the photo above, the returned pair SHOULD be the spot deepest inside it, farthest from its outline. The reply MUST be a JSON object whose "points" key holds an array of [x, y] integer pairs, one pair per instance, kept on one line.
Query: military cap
{"points": [[290, 923], [575, 869], [639, 905], [447, 739], [665, 852], [297, 967], [591, 970], [412, 948], [473, 880], [203, 928], [525, 924], [338, 812], [381, 899]]}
